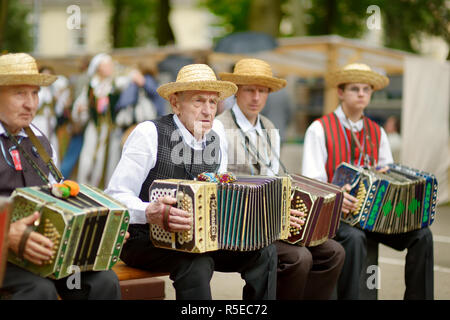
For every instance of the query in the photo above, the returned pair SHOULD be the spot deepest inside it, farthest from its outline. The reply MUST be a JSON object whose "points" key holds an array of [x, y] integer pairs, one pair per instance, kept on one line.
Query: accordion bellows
{"points": [[87, 230], [245, 215], [398, 201], [321, 203]]}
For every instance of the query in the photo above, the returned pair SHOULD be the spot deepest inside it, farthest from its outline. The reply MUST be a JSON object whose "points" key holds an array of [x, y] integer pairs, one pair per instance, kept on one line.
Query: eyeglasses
{"points": [[356, 90]]}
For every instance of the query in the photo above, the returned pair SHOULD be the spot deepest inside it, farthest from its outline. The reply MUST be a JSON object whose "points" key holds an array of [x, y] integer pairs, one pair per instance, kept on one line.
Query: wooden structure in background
{"points": [[313, 57]]}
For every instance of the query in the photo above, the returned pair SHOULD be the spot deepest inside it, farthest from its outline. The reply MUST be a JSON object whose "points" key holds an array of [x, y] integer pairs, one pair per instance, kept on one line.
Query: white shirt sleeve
{"points": [[138, 158], [51, 178], [220, 130], [385, 153], [315, 153], [275, 141]]}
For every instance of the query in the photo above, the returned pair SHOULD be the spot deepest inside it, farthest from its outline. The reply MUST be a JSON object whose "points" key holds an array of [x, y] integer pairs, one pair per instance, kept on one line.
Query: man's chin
{"points": [[25, 123]]}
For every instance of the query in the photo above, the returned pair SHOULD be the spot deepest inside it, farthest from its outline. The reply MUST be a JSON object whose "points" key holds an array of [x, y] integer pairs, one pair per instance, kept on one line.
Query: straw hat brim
{"points": [[376, 80], [273, 83], [27, 79], [224, 88]]}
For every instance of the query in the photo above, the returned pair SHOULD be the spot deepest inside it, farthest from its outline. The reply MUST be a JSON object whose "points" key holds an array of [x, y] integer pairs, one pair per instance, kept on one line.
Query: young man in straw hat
{"points": [[182, 145], [254, 148], [20, 82], [363, 142]]}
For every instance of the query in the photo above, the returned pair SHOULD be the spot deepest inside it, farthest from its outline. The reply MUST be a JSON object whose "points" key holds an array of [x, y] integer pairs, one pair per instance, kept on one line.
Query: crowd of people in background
{"points": [[88, 115]]}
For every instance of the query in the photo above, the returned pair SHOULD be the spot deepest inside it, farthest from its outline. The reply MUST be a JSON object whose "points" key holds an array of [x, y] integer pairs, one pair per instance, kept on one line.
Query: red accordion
{"points": [[321, 202]]}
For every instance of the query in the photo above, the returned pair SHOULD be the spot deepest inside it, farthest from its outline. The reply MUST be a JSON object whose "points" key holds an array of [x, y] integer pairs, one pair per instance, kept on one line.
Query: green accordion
{"points": [[87, 230], [245, 215]]}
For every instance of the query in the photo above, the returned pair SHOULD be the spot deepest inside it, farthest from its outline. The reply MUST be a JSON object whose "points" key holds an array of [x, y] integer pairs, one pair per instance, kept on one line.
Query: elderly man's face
{"points": [[196, 110], [18, 106], [251, 99]]}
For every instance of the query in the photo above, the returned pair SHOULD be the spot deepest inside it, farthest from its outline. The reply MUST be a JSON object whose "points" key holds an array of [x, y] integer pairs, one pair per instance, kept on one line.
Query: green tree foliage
{"points": [[233, 14], [131, 22], [140, 22], [344, 18], [15, 31], [404, 21]]}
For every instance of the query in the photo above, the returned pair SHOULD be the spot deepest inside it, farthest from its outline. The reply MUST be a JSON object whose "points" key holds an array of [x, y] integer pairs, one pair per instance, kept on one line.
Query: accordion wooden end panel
{"points": [[197, 198], [321, 204], [245, 215], [87, 230], [400, 200]]}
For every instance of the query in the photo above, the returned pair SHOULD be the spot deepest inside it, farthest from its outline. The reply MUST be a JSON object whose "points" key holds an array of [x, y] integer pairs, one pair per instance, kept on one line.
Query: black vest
{"points": [[176, 160], [10, 178]]}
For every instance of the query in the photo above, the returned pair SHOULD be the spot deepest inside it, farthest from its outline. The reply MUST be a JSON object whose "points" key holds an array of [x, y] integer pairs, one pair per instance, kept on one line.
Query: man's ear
{"points": [[340, 93], [173, 99]]}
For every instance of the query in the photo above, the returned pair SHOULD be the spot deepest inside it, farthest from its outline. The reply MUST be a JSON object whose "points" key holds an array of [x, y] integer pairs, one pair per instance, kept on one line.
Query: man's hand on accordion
{"points": [[350, 202], [27, 243], [297, 219], [168, 217]]}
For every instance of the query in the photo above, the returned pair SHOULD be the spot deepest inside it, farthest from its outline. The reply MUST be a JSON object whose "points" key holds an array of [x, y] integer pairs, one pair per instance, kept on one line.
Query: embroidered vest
{"points": [[335, 143]]}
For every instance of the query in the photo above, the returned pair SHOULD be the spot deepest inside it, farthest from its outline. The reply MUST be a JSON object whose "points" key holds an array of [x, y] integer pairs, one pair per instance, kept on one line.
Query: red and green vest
{"points": [[336, 136]]}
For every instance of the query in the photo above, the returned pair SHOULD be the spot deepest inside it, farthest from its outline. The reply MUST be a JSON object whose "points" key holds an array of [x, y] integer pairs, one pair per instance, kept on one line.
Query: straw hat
{"points": [[197, 77], [254, 72], [21, 69], [357, 73]]}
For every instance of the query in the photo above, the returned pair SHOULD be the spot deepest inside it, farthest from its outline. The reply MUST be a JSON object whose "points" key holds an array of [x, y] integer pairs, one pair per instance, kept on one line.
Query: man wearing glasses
{"points": [[347, 135]]}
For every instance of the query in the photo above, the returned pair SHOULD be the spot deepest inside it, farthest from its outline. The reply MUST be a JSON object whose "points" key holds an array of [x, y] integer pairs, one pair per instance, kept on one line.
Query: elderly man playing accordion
{"points": [[148, 155], [22, 165], [349, 135]]}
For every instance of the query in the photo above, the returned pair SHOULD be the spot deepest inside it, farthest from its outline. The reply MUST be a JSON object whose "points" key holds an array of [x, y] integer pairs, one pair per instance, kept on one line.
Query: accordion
{"points": [[397, 201], [4, 228], [321, 203], [245, 215], [87, 230]]}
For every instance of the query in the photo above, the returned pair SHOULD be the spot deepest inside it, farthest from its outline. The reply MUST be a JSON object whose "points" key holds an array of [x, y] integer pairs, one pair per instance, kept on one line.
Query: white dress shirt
{"points": [[139, 156], [37, 133], [315, 151], [252, 131]]}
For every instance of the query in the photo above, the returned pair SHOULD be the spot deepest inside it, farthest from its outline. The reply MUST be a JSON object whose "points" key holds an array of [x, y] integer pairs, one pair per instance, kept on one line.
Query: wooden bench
{"points": [[138, 284]]}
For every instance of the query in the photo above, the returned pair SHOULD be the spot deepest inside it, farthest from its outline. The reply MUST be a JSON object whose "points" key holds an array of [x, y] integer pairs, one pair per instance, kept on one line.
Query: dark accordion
{"points": [[321, 203], [245, 215], [87, 230], [397, 201]]}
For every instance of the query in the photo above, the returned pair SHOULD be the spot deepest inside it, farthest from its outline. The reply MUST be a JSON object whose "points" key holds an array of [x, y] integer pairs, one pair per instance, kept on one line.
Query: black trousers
{"points": [[21, 284], [308, 273], [191, 273], [419, 276]]}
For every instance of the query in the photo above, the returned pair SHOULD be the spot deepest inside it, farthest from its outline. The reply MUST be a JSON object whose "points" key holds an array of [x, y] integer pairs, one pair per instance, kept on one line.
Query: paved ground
{"points": [[228, 286]]}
